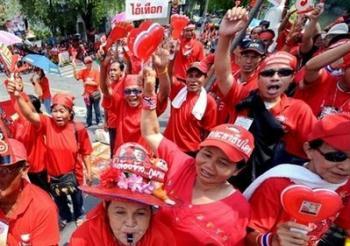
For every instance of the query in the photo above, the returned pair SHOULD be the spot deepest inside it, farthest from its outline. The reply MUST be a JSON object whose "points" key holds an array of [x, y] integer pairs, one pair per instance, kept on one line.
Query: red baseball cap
{"points": [[235, 141], [11, 152], [132, 176], [201, 66], [280, 57], [334, 130], [63, 99]]}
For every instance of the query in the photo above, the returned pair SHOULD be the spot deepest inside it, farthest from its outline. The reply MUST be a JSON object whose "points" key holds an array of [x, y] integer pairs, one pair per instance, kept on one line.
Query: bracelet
{"points": [[149, 103], [163, 72], [264, 239]]}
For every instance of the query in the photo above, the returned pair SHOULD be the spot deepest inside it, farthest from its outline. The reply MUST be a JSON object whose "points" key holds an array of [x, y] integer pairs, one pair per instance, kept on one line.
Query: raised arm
{"points": [[314, 66], [310, 29], [161, 62], [150, 128], [24, 106], [233, 22]]}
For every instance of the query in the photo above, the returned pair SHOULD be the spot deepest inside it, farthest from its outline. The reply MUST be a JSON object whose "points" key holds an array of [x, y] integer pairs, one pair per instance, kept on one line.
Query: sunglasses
{"points": [[134, 91], [283, 72], [336, 156]]}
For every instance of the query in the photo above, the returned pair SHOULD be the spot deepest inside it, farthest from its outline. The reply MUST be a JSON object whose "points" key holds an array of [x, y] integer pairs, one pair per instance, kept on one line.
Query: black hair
{"points": [[264, 23], [241, 164], [121, 64], [316, 143], [337, 38], [36, 103]]}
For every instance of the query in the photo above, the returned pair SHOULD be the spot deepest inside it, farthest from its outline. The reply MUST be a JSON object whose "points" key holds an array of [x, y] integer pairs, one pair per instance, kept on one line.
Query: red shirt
{"points": [[183, 128], [295, 116], [267, 210], [112, 120], [89, 75], [64, 145], [96, 231], [128, 125], [190, 51], [45, 87], [35, 214], [324, 94], [221, 222]]}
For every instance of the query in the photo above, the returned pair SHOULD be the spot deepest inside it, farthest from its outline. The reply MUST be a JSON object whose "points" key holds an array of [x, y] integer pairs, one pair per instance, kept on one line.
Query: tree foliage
{"points": [[8, 10]]}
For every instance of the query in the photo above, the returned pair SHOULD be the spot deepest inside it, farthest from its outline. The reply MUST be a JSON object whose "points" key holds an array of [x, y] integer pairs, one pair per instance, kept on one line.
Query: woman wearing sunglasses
{"points": [[125, 215], [328, 151], [125, 99], [279, 124]]}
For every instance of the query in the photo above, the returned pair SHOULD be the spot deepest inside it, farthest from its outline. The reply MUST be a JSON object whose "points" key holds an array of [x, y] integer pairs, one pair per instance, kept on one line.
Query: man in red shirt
{"points": [[324, 92], [328, 149], [190, 50], [27, 213], [92, 96], [279, 124], [193, 111]]}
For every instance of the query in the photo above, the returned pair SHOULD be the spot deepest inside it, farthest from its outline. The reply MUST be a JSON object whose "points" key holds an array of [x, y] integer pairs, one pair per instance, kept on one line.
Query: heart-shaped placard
{"points": [[308, 205], [121, 30], [147, 41], [135, 32], [178, 23]]}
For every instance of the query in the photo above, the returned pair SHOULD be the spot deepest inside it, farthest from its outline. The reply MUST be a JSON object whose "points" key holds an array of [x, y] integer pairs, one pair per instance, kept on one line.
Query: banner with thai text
{"points": [[149, 9]]}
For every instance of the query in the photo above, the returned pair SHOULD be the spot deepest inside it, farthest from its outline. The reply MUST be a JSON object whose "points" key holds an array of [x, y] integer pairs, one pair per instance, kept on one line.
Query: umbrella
{"points": [[43, 62], [8, 38]]}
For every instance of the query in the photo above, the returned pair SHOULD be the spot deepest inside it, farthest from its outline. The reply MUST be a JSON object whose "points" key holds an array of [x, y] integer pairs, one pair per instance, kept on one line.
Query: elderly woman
{"points": [[67, 143], [208, 210], [125, 215]]}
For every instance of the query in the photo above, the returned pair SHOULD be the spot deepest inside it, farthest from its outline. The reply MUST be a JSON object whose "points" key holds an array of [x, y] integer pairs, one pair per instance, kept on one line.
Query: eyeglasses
{"points": [[134, 91], [336, 156], [283, 72]]}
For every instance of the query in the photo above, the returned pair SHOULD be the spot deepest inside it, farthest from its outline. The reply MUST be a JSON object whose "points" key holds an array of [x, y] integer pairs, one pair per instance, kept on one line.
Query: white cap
{"points": [[338, 29]]}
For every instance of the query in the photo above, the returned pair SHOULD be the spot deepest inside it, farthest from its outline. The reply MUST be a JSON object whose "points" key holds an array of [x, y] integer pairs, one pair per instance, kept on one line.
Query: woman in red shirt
{"points": [[126, 214], [208, 210], [67, 144], [42, 85]]}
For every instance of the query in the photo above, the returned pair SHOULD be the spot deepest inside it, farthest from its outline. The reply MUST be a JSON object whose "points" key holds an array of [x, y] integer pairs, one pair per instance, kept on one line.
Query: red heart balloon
{"points": [[308, 205], [178, 23], [134, 32], [121, 30], [148, 41]]}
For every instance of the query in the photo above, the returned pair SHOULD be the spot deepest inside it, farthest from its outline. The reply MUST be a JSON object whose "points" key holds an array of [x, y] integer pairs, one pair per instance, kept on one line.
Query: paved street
{"points": [[66, 83]]}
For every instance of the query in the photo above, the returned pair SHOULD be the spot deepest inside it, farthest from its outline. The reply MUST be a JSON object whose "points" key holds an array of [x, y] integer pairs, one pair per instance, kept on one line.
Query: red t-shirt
{"points": [[324, 96], [112, 120], [190, 51], [267, 210], [129, 122], [222, 222], [183, 128], [64, 145], [295, 116], [35, 214], [45, 87], [96, 231], [33, 141], [89, 75]]}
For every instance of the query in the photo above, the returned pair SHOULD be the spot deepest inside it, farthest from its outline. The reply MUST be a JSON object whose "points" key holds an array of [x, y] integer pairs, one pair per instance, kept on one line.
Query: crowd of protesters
{"points": [[277, 116]]}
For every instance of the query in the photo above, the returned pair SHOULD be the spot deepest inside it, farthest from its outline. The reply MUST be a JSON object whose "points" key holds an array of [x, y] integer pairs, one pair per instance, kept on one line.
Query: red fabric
{"points": [[66, 100], [267, 211], [96, 231], [343, 219], [196, 53], [45, 87], [35, 214], [324, 92], [62, 145], [94, 75], [209, 60], [294, 115], [218, 223], [128, 125], [112, 119], [188, 136], [33, 141]]}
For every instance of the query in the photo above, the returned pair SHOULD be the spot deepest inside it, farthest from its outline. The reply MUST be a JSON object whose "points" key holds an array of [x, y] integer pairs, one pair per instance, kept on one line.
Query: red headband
{"points": [[280, 57], [63, 99]]}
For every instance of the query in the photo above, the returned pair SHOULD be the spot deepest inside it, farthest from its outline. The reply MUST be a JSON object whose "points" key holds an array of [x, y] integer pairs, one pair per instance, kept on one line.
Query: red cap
{"points": [[235, 141], [334, 130], [280, 57], [201, 66], [63, 99], [132, 175], [131, 80], [11, 151]]}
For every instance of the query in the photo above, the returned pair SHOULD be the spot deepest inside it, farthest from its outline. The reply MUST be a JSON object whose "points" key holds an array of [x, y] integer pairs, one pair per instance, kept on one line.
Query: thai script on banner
{"points": [[146, 9]]}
